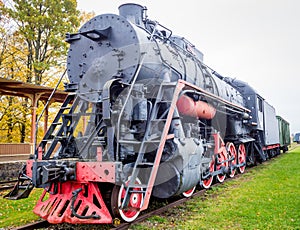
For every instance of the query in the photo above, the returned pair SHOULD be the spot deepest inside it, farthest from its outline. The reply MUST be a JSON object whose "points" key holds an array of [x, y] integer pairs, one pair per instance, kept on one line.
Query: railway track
{"points": [[36, 225], [5, 185], [173, 204], [180, 201], [120, 226]]}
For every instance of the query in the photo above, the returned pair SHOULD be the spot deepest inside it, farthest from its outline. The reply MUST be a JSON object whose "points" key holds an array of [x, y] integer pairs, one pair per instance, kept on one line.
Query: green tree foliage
{"points": [[32, 49], [42, 25], [12, 120], [4, 39]]}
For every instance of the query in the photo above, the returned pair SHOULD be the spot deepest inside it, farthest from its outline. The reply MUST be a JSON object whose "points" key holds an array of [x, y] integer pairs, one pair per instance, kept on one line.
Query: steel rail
{"points": [[5, 185], [181, 201], [163, 209], [146, 215], [35, 225]]}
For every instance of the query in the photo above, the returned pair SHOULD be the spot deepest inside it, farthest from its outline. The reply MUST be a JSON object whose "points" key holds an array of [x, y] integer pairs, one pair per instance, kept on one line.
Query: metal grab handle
{"points": [[97, 35], [74, 197]]}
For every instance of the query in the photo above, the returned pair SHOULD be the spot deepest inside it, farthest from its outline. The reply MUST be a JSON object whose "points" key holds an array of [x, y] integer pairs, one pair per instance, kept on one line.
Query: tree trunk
{"points": [[10, 124]]}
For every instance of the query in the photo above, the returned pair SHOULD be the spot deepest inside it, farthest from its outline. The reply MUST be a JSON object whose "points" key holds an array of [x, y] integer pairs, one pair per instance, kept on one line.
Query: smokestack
{"points": [[132, 12]]}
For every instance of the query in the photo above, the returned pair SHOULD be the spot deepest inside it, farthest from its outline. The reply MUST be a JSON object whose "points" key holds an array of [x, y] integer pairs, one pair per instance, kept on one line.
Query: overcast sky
{"points": [[257, 41]]}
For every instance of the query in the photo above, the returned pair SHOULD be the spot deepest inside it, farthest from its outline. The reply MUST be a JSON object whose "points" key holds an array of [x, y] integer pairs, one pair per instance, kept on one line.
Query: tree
{"points": [[42, 24], [4, 37], [33, 49]]}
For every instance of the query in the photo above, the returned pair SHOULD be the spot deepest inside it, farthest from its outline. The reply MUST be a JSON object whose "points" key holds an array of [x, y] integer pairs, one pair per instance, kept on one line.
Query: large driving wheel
{"points": [[232, 154], [221, 164], [207, 182], [242, 158], [131, 212], [189, 192]]}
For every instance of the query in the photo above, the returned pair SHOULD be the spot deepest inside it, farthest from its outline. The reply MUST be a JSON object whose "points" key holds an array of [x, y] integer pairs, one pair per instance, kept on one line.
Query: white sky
{"points": [[257, 41]]}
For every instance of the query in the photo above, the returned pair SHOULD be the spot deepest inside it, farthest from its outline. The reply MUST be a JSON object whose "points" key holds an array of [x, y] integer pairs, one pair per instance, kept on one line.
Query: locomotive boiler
{"points": [[144, 117]]}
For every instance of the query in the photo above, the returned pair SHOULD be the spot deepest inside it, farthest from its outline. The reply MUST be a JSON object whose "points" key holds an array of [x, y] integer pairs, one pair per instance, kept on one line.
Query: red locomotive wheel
{"points": [[222, 156], [136, 200], [242, 158], [232, 154], [189, 193], [207, 182]]}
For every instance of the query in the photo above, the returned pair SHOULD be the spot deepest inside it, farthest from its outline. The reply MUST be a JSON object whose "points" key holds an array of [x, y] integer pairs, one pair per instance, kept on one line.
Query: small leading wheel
{"points": [[207, 182], [131, 212], [241, 158], [221, 164], [189, 192], [232, 154]]}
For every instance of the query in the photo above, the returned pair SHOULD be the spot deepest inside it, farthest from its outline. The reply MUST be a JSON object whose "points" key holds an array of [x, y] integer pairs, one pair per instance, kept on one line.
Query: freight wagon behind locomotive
{"points": [[144, 117], [284, 133], [297, 138]]}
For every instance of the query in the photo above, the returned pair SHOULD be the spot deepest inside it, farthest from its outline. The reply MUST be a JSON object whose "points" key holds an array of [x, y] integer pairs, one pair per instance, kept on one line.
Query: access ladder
{"points": [[163, 97]]}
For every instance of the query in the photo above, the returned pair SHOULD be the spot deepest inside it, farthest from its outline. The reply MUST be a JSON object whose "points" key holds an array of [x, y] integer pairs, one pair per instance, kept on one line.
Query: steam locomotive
{"points": [[144, 117]]}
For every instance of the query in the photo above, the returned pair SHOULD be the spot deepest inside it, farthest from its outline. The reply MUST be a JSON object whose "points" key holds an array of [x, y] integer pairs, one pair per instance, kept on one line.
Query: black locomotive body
{"points": [[145, 117]]}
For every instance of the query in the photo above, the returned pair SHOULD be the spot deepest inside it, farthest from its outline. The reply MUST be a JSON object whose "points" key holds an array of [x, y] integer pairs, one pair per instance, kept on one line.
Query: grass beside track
{"points": [[266, 197], [18, 212]]}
